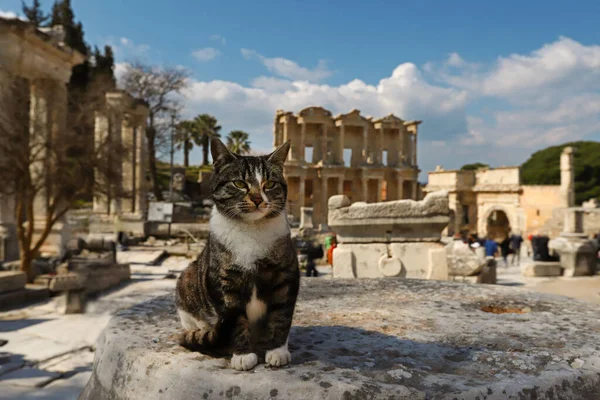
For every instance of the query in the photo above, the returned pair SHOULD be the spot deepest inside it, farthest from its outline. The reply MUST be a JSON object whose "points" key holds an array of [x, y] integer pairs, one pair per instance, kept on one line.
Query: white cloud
{"points": [[218, 38], [206, 54], [498, 113], [8, 14], [290, 69]]}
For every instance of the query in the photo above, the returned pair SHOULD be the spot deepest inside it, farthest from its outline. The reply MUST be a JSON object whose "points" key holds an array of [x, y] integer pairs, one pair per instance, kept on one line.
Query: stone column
{"points": [[340, 185], [400, 188], [128, 164], [324, 195], [115, 133], [101, 129], [380, 146], [141, 158], [324, 146], [302, 145], [414, 149], [567, 178], [379, 188], [414, 190], [340, 145], [301, 191], [365, 152], [39, 140], [364, 183]]}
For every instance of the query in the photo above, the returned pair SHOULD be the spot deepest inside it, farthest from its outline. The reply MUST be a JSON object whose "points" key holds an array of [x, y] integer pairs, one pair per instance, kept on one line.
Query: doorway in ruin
{"points": [[498, 225]]}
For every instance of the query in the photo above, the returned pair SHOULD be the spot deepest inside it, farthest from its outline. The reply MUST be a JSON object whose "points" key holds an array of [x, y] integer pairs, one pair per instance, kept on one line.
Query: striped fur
{"points": [[238, 297]]}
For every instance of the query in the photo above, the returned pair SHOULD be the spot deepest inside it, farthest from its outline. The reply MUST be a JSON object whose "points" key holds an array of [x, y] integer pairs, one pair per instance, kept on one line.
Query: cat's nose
{"points": [[256, 200]]}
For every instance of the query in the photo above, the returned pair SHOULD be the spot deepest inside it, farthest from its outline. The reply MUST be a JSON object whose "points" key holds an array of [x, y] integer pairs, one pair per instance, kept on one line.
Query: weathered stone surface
{"points": [[488, 274], [343, 263], [12, 280], [391, 221], [541, 268], [438, 264], [372, 338], [577, 255], [306, 221], [462, 260], [376, 260]]}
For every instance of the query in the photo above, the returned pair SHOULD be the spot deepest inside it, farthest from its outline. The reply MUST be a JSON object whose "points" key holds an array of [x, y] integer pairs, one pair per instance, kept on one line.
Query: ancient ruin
{"points": [[577, 253], [394, 238], [494, 201], [366, 159], [38, 60], [123, 120]]}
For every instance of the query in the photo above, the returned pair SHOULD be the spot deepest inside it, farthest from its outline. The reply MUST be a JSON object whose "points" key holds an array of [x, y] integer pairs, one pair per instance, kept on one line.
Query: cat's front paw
{"points": [[244, 362], [278, 357]]}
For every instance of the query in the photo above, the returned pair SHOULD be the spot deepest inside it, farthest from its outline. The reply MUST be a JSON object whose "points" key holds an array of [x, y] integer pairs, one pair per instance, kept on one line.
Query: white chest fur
{"points": [[248, 241]]}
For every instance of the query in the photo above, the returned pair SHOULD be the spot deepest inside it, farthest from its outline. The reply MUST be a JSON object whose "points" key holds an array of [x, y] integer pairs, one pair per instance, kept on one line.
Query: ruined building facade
{"points": [[364, 158]]}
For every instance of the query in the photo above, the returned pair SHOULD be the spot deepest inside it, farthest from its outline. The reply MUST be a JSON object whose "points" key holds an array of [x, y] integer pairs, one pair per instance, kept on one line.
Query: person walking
{"points": [[505, 249], [491, 247], [516, 240], [314, 251]]}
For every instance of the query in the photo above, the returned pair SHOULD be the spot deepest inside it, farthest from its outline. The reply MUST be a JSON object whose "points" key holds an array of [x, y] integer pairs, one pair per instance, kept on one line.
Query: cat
{"points": [[238, 297]]}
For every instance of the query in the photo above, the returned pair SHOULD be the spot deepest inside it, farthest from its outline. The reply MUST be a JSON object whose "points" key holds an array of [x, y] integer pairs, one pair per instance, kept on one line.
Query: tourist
{"points": [[314, 251], [516, 240], [491, 247], [505, 249], [119, 232], [332, 246]]}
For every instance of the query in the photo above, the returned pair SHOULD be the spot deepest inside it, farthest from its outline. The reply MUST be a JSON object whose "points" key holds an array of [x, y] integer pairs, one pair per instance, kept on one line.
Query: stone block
{"points": [[392, 221], [12, 280], [541, 268], [577, 255], [414, 257], [306, 221], [437, 264], [462, 260], [364, 259], [30, 294], [488, 274], [344, 263], [371, 339]]}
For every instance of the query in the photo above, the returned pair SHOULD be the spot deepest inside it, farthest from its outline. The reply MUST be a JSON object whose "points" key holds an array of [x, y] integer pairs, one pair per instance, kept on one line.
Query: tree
{"points": [[474, 166], [210, 129], [237, 142], [34, 13], [43, 165], [159, 88], [187, 134], [543, 168]]}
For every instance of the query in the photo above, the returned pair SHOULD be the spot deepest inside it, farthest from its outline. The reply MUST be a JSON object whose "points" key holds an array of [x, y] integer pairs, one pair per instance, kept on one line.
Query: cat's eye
{"points": [[269, 185], [240, 184]]}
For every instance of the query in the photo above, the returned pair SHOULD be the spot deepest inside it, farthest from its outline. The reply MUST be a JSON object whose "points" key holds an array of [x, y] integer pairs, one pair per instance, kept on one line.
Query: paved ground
{"points": [[51, 355]]}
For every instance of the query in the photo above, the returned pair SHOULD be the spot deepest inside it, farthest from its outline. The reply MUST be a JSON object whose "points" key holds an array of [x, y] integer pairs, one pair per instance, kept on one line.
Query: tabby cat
{"points": [[238, 297]]}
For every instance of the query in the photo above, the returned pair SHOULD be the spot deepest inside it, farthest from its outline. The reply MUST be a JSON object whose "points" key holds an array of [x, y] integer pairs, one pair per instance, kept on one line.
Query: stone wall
{"points": [[539, 203]]}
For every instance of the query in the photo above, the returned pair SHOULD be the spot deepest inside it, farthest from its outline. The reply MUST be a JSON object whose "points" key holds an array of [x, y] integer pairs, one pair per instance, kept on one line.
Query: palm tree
{"points": [[187, 134], [209, 127], [237, 142]]}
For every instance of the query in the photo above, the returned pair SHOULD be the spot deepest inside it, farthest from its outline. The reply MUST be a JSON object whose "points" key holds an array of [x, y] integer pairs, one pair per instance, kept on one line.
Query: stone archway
{"points": [[497, 223]]}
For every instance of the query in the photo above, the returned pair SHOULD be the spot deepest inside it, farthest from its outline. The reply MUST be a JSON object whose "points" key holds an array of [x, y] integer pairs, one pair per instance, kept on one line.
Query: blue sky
{"points": [[492, 83]]}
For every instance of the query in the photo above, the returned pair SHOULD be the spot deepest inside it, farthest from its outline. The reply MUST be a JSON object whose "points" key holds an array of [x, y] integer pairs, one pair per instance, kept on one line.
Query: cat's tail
{"points": [[206, 341]]}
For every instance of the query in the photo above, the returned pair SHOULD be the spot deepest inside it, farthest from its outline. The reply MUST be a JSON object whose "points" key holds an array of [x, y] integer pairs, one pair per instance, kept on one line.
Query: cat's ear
{"points": [[280, 154], [220, 153]]}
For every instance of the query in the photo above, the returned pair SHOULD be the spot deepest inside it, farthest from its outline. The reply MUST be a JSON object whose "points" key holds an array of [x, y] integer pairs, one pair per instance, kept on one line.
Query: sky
{"points": [[492, 83]]}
